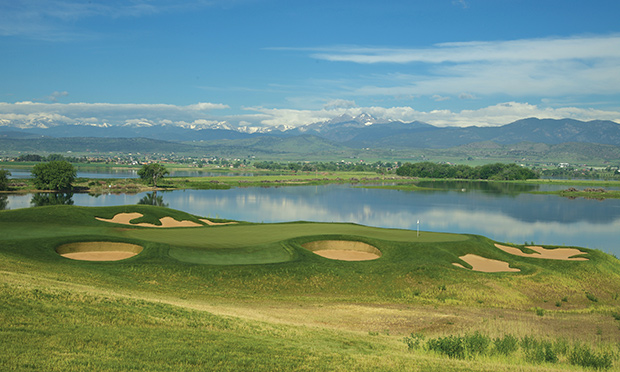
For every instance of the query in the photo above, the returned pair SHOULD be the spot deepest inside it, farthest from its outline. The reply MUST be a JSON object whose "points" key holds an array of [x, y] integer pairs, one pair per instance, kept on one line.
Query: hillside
{"points": [[232, 296], [365, 131]]}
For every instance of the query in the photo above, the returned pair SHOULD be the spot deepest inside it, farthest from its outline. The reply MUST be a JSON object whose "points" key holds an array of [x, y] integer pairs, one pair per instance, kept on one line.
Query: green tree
{"points": [[54, 157], [151, 173], [4, 179], [54, 175]]}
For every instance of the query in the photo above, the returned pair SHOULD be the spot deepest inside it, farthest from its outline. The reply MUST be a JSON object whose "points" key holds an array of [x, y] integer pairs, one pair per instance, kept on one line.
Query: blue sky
{"points": [[289, 63]]}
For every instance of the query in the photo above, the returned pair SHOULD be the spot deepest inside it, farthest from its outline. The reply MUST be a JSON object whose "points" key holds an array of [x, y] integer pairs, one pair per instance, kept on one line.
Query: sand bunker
{"points": [[343, 250], [565, 254], [211, 223], [485, 265], [98, 251], [125, 218]]}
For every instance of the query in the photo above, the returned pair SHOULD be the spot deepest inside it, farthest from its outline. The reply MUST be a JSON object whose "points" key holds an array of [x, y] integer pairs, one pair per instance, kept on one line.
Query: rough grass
{"points": [[159, 312]]}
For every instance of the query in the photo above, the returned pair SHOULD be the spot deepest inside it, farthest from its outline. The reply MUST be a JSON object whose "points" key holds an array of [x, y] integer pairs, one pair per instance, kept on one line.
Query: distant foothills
{"points": [[346, 135]]}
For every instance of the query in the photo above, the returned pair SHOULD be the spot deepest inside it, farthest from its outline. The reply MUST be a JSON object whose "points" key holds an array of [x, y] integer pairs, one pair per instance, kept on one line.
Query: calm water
{"points": [[507, 215]]}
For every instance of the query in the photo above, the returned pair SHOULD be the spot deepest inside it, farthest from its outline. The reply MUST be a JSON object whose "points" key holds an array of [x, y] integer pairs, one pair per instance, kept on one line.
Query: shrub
{"points": [[591, 297], [528, 342], [414, 341], [460, 347], [539, 311], [583, 356], [452, 346], [541, 351], [506, 345], [477, 344], [561, 346]]}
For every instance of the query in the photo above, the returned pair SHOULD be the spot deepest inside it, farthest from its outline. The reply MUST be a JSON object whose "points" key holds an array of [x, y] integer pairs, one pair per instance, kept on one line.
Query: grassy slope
{"points": [[153, 312]]}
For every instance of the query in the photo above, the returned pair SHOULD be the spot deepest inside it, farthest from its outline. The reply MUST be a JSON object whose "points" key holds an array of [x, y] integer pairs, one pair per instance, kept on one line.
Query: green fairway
{"points": [[249, 297]]}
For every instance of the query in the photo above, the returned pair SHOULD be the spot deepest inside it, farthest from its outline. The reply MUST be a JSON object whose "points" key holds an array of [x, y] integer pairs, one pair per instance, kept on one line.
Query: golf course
{"points": [[146, 288]]}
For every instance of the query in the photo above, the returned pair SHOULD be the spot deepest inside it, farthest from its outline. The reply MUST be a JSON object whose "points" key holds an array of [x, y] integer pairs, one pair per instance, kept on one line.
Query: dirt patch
{"points": [[486, 265], [565, 254], [125, 218], [343, 250], [98, 251], [211, 223]]}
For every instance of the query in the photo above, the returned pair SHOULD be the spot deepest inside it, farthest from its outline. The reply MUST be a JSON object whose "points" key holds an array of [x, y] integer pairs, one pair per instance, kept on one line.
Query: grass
{"points": [[249, 297]]}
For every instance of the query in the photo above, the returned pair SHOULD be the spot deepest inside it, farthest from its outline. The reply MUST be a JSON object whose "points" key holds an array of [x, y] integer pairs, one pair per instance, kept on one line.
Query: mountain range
{"points": [[362, 131]]}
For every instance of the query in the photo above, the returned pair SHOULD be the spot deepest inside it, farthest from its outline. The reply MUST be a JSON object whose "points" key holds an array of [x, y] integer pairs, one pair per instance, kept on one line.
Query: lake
{"points": [[503, 212]]}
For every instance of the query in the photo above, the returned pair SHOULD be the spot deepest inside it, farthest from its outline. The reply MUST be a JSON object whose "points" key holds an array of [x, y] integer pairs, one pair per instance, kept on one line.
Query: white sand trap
{"points": [[125, 218], [343, 250], [565, 254], [171, 222], [211, 223], [486, 265], [122, 218], [98, 251]]}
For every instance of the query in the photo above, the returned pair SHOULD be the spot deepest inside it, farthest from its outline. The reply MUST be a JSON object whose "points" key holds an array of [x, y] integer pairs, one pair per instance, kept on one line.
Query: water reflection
{"points": [[4, 202], [51, 198], [153, 199], [505, 188]]}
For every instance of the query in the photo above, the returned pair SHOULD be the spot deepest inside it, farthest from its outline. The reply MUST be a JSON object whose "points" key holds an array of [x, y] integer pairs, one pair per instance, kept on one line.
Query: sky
{"points": [[294, 62]]}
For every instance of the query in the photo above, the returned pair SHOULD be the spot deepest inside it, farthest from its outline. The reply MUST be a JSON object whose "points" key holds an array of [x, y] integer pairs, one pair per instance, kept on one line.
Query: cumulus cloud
{"points": [[49, 114], [494, 115], [34, 114]]}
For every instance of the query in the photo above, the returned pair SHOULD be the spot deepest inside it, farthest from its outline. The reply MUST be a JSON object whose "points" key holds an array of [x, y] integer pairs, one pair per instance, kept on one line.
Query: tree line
{"points": [[496, 171], [327, 166], [59, 175], [50, 157]]}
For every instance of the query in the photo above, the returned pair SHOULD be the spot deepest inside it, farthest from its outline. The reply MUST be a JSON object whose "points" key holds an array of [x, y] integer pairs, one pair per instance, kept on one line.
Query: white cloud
{"points": [[29, 113], [32, 114], [494, 115], [466, 96], [56, 95], [529, 67], [339, 103], [53, 20], [438, 98], [549, 49]]}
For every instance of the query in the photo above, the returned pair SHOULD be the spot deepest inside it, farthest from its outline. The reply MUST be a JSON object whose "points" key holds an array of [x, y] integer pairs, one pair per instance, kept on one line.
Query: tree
{"points": [[151, 173], [4, 179], [54, 175]]}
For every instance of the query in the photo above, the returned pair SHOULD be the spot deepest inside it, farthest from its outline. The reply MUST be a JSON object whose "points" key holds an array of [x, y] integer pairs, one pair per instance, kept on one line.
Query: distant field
{"points": [[249, 297]]}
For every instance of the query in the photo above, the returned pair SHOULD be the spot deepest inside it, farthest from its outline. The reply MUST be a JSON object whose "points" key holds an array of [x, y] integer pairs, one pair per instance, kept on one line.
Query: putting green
{"points": [[264, 243]]}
